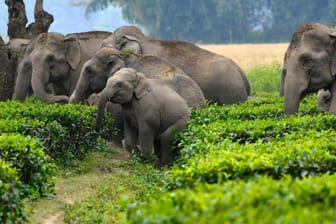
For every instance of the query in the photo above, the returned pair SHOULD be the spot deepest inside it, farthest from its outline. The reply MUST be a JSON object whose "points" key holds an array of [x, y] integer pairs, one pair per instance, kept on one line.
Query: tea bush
{"points": [[35, 169], [11, 205], [67, 131], [259, 200], [250, 163]]}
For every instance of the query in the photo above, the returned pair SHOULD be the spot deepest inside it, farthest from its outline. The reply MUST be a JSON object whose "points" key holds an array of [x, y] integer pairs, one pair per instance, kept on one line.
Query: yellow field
{"points": [[248, 56]]}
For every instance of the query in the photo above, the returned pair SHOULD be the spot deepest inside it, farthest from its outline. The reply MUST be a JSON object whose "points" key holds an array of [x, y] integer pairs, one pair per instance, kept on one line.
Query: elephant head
{"points": [[51, 57], [310, 63], [121, 89], [126, 38], [95, 73]]}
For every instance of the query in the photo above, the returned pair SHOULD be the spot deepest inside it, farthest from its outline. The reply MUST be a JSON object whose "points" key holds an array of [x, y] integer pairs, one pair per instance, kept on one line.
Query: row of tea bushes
{"points": [[66, 131], [259, 200], [33, 135], [250, 163]]}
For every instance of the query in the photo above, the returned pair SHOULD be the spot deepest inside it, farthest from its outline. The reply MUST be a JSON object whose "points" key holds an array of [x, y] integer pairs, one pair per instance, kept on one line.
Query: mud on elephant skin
{"points": [[152, 112], [221, 79], [108, 60], [52, 59], [309, 65]]}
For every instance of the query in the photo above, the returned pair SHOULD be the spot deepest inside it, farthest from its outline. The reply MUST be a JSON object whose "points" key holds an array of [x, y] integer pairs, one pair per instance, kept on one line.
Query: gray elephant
{"points": [[309, 65], [152, 112], [108, 60], [221, 80], [52, 58], [323, 99]]}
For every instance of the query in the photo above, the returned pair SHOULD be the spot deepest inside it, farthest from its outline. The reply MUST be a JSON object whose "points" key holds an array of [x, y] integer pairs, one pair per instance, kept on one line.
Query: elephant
{"points": [[323, 99], [152, 111], [52, 62], [309, 66], [220, 78], [108, 60]]}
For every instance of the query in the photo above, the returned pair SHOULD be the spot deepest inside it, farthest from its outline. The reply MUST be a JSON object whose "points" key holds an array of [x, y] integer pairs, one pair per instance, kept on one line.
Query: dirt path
{"points": [[70, 190]]}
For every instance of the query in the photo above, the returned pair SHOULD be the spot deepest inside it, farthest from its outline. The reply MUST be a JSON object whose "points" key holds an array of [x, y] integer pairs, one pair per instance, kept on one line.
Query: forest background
{"points": [[198, 21]]}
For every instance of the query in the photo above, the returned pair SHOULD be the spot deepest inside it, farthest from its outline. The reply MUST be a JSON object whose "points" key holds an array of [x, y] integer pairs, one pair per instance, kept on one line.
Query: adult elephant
{"points": [[54, 60], [107, 61], [310, 65], [221, 80]]}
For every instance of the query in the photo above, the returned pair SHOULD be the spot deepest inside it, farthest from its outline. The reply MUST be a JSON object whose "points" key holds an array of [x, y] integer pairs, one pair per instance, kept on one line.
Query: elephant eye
{"points": [[306, 61], [119, 84]]}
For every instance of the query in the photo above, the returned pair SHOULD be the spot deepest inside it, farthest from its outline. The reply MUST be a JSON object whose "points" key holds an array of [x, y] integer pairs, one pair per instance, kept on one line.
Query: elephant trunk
{"points": [[79, 94], [101, 106], [294, 90], [40, 79]]}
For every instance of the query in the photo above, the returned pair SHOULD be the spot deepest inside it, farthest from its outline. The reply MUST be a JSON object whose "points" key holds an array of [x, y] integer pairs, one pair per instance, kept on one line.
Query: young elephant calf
{"points": [[152, 110]]}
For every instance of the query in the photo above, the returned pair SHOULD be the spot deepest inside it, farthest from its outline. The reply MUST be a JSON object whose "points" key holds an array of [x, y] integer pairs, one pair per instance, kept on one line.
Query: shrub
{"points": [[11, 206], [35, 170], [67, 131], [263, 200]]}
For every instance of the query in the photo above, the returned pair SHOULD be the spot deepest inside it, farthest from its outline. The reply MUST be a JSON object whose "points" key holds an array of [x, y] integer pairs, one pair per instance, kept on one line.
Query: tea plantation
{"points": [[246, 163]]}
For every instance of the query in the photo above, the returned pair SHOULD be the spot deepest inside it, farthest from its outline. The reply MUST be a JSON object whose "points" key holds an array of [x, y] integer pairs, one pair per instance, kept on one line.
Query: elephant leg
{"points": [[116, 112], [146, 141], [130, 136], [23, 81], [167, 137], [332, 98]]}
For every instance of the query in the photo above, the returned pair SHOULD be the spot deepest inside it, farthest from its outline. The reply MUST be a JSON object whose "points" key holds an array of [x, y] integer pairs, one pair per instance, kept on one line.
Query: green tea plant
{"points": [[259, 200], [34, 168], [11, 205], [67, 131]]}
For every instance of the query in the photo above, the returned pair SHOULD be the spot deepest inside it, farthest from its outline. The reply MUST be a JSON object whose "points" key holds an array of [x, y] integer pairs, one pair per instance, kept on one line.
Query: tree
{"points": [[222, 21]]}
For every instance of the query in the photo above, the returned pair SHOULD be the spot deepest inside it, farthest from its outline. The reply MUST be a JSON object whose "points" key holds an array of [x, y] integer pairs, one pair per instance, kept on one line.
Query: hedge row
{"points": [[227, 160], [67, 131], [250, 163], [261, 200]]}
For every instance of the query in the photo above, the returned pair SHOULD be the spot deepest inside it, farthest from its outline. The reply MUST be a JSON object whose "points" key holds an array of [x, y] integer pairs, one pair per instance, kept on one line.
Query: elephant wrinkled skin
{"points": [[152, 111], [309, 66], [221, 80]]}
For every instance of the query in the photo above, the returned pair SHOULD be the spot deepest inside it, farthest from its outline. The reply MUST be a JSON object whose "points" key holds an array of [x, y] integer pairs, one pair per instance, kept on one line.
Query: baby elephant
{"points": [[152, 111]]}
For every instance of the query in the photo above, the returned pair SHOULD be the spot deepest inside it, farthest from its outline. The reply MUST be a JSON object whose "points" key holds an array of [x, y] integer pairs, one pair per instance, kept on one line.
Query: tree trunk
{"points": [[7, 72], [17, 20]]}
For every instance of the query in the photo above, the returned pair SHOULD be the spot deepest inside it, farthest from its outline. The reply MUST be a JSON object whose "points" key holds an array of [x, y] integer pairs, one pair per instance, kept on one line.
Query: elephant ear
{"points": [[142, 86], [73, 52], [132, 43], [332, 35]]}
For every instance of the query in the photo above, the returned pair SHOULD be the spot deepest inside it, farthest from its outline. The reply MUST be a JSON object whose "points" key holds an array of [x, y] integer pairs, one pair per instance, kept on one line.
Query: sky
{"points": [[68, 19]]}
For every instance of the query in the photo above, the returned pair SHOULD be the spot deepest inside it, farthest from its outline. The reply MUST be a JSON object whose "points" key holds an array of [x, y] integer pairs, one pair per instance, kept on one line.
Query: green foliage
{"points": [[261, 200], [250, 162], [265, 78], [222, 21], [11, 206], [35, 169], [67, 131], [120, 190]]}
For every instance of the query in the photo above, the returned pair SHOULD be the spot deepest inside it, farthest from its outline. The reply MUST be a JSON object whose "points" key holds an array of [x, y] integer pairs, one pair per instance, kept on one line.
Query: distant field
{"points": [[248, 56]]}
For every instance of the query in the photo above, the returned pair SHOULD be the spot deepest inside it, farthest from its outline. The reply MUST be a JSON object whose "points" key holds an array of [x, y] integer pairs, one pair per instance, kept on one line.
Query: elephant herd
{"points": [[149, 85]]}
